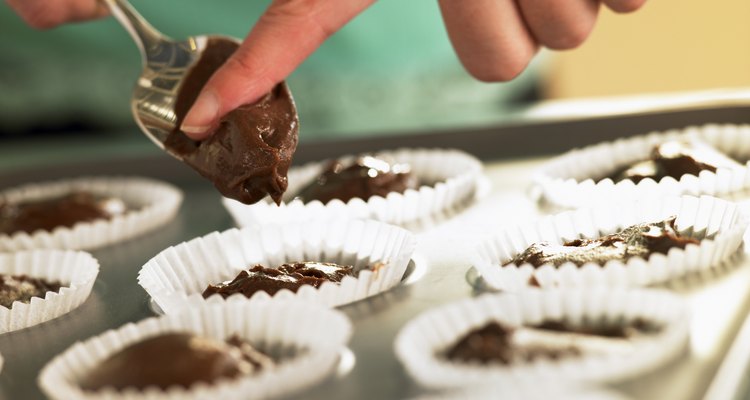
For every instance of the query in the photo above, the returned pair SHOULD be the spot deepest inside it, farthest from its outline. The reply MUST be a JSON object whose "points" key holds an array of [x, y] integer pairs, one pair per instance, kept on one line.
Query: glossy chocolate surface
{"points": [[551, 339], [249, 154], [61, 211], [175, 359], [287, 276], [676, 158], [363, 178], [22, 288], [639, 240]]}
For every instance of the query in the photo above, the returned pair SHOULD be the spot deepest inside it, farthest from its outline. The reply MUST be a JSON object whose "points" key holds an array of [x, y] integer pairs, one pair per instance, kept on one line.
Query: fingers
{"points": [[624, 6], [495, 39], [560, 24], [287, 33], [489, 37], [44, 14]]}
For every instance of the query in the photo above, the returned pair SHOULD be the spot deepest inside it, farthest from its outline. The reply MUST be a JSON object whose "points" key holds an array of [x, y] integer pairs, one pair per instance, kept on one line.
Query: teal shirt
{"points": [[391, 69]]}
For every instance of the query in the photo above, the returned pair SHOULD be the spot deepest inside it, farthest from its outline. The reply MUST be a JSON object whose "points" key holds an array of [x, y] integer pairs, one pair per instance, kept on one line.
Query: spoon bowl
{"points": [[165, 65]]}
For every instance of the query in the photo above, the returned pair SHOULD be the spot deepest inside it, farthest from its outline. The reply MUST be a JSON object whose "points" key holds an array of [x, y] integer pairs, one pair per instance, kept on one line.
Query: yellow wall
{"points": [[668, 45]]}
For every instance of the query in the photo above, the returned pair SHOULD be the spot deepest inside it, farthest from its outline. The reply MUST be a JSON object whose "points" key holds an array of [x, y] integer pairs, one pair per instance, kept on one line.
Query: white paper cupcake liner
{"points": [[453, 172], [718, 224], [75, 270], [570, 180], [546, 391], [316, 334], [177, 276], [151, 204], [420, 343]]}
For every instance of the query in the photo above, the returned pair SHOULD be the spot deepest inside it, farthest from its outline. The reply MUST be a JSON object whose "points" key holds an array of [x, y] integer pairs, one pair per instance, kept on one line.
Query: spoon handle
{"points": [[146, 37]]}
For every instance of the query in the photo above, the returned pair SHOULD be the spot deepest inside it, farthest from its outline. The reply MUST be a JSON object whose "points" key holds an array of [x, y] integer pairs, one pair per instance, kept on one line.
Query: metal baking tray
{"points": [[440, 271]]}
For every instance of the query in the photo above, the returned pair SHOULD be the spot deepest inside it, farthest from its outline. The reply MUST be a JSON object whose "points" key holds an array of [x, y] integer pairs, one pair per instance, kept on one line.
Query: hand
{"points": [[495, 40], [45, 14]]}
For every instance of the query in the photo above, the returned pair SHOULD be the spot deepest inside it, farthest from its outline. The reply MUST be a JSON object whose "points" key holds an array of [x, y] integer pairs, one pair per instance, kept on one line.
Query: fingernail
{"points": [[201, 116]]}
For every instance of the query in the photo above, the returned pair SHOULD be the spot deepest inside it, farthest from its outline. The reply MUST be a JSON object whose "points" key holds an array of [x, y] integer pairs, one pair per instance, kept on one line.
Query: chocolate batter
{"points": [[250, 152], [363, 178], [65, 211], [496, 343], [635, 241], [676, 158], [287, 276], [22, 288], [490, 343], [632, 328], [179, 359]]}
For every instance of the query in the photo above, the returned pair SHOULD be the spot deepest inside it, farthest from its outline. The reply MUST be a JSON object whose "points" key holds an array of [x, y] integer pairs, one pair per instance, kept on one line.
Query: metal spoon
{"points": [[165, 63]]}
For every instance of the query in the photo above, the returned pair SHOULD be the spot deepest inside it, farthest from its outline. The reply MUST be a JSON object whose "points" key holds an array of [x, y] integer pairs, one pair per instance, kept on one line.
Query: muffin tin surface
{"points": [[717, 300]]}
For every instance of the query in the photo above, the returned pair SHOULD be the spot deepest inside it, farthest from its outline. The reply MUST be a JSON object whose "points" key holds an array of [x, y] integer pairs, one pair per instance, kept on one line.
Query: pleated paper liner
{"points": [[177, 276], [150, 204], [311, 336], [718, 224], [575, 178], [540, 391], [422, 341], [448, 177], [76, 272]]}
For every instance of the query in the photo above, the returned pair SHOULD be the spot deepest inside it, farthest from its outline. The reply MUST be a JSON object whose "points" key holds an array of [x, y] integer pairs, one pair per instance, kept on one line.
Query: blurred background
{"points": [[392, 70]]}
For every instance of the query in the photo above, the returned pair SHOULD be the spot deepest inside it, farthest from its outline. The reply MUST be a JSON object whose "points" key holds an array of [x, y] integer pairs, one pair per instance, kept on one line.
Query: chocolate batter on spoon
{"points": [[250, 152]]}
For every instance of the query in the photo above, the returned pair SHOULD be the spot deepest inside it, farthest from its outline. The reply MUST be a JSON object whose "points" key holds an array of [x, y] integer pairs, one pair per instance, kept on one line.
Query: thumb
{"points": [[285, 35]]}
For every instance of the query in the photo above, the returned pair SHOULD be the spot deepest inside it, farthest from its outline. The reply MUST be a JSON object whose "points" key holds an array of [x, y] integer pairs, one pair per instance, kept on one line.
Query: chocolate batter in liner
{"points": [[676, 158], [361, 178], [60, 211], [22, 288], [593, 334], [41, 285], [639, 240], [551, 339], [710, 233], [578, 178], [383, 254], [176, 359], [290, 276], [305, 334], [446, 181]]}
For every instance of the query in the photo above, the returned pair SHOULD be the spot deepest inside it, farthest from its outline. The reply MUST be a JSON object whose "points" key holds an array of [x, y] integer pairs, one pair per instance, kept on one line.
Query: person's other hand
{"points": [[46, 14], [496, 39]]}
